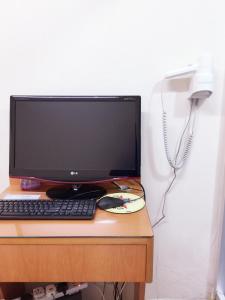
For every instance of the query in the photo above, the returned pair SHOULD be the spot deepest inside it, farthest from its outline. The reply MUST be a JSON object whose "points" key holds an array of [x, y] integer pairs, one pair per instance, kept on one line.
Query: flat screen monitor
{"points": [[75, 139]]}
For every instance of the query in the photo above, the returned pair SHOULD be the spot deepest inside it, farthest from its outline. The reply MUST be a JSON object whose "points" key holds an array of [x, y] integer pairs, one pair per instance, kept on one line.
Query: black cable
{"points": [[103, 291], [118, 187], [128, 187], [164, 198], [120, 291], [115, 290], [73, 197], [174, 169], [142, 187], [131, 188], [78, 195], [135, 199]]}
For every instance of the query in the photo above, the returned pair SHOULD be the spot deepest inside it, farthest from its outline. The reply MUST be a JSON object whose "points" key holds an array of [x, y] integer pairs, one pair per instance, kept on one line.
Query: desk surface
{"points": [[104, 224], [109, 248]]}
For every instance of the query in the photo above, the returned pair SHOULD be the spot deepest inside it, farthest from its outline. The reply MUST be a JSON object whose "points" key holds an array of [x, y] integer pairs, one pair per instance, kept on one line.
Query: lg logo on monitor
{"points": [[72, 173]]}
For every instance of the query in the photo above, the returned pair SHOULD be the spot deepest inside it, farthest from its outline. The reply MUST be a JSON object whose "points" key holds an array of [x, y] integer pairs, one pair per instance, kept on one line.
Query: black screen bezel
{"points": [[83, 175]]}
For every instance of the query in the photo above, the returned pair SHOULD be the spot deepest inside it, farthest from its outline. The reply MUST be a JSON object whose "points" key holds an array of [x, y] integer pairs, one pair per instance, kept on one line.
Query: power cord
{"points": [[115, 290], [184, 138], [132, 188], [100, 291], [173, 163], [142, 188], [118, 291], [164, 199], [104, 286]]}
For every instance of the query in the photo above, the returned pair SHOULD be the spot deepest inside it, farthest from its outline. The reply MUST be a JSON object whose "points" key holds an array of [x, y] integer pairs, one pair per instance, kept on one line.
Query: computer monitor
{"points": [[75, 139]]}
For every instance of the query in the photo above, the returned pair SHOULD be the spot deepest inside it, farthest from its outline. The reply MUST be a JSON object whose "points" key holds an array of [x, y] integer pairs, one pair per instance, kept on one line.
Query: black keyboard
{"points": [[47, 209]]}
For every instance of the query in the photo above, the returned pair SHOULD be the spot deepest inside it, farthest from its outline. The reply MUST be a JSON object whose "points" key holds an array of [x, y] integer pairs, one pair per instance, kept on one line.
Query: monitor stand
{"points": [[83, 191]]}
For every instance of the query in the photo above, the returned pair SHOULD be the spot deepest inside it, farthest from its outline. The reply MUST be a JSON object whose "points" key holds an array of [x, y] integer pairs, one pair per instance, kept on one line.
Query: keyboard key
{"points": [[47, 209]]}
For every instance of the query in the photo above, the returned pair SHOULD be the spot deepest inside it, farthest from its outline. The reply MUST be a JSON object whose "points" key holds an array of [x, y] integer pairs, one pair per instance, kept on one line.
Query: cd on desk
{"points": [[136, 203]]}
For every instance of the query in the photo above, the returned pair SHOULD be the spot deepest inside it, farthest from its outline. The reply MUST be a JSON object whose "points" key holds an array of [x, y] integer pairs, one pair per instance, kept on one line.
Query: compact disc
{"points": [[136, 203]]}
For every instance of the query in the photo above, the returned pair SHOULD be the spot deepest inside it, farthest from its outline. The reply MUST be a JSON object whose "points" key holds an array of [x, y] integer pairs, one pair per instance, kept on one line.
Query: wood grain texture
{"points": [[108, 248], [104, 224], [139, 291], [149, 259], [50, 263]]}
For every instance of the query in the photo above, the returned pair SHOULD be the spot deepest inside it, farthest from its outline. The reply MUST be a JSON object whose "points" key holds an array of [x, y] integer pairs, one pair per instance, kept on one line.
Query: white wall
{"points": [[221, 275], [124, 47]]}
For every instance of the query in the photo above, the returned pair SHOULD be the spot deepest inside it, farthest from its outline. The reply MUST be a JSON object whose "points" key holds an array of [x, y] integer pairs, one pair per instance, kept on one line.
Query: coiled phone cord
{"points": [[184, 139], [174, 164]]}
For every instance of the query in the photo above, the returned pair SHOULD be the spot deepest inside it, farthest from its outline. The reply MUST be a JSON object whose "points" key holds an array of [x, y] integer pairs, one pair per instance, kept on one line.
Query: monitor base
{"points": [[84, 191]]}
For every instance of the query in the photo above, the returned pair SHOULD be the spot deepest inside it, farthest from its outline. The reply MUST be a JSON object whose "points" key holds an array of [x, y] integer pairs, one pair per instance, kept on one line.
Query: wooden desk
{"points": [[108, 248]]}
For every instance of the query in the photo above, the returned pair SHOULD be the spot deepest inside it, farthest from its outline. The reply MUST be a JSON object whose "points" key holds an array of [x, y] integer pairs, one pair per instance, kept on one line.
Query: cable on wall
{"points": [[183, 149]]}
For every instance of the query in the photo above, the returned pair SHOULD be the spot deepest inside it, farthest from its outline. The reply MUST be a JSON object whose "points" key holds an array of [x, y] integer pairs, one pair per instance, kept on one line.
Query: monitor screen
{"points": [[75, 138]]}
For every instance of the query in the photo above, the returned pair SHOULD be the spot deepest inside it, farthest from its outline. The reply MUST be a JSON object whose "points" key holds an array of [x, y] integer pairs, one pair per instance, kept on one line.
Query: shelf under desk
{"points": [[109, 248]]}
